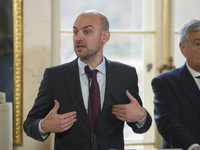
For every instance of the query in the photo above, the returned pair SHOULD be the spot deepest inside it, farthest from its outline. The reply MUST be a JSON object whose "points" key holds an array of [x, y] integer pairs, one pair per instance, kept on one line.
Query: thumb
{"points": [[131, 98], [56, 107]]}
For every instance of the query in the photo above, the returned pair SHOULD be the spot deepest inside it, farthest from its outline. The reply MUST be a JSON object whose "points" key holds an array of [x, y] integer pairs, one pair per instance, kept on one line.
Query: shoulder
{"points": [[61, 70], [171, 73], [65, 66], [175, 73], [170, 77], [120, 69], [119, 65]]}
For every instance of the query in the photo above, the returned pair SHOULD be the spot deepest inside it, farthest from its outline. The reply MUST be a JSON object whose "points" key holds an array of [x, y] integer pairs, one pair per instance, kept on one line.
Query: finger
{"points": [[67, 127], [131, 98], [118, 110], [119, 114], [69, 115], [64, 124], [68, 124], [122, 106], [121, 118], [56, 107], [129, 95]]}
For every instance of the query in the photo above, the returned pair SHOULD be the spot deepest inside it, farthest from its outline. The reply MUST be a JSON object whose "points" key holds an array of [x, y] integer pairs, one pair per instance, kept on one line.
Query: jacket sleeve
{"points": [[42, 106], [134, 90], [167, 115]]}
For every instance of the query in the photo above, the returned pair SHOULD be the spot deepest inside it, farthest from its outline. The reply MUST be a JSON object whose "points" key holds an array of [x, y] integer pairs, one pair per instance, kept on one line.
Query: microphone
{"points": [[87, 71], [93, 136]]}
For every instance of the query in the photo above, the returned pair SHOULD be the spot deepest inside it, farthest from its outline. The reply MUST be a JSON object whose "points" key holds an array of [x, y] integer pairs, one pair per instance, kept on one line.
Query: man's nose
{"points": [[79, 36]]}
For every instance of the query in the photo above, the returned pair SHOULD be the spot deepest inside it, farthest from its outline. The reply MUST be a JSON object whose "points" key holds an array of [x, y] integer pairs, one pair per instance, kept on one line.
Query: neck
{"points": [[93, 63]]}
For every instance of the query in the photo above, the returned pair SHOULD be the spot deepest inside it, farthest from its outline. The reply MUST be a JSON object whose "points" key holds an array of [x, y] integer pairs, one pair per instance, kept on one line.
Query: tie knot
{"points": [[93, 73], [198, 77]]}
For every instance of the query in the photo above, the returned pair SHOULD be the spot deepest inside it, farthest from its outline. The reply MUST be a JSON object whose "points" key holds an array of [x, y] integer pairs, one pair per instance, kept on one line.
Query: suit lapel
{"points": [[111, 82], [189, 87], [73, 82]]}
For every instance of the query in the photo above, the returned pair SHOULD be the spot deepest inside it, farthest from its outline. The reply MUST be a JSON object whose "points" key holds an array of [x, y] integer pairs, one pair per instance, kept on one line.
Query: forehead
{"points": [[194, 36], [88, 19]]}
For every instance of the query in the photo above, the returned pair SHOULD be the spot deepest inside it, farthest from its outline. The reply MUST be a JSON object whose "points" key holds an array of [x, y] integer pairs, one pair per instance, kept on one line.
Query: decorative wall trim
{"points": [[17, 102], [165, 30]]}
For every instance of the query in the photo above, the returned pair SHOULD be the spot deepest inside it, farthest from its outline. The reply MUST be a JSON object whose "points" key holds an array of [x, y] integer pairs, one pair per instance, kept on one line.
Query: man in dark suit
{"points": [[177, 94], [61, 106]]}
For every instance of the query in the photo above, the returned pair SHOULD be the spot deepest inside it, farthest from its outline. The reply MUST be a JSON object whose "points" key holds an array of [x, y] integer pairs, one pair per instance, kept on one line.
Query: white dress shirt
{"points": [[194, 74], [101, 79]]}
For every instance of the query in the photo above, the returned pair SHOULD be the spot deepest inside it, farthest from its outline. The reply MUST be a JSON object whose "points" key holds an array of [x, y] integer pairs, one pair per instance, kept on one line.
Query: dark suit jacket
{"points": [[62, 83], [177, 108]]}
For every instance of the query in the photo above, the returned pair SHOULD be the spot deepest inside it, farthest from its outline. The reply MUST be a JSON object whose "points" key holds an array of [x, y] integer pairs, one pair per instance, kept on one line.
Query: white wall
{"points": [[36, 57]]}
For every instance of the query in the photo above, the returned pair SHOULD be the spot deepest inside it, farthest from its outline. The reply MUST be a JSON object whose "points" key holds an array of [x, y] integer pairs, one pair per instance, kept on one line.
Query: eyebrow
{"points": [[196, 39], [84, 27]]}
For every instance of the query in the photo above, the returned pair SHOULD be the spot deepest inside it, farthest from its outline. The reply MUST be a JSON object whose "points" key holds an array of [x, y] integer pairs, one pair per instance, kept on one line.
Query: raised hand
{"points": [[131, 112], [57, 123]]}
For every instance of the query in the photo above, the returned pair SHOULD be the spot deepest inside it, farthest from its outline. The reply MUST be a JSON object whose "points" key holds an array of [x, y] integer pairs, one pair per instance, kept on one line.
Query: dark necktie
{"points": [[198, 77], [95, 99]]}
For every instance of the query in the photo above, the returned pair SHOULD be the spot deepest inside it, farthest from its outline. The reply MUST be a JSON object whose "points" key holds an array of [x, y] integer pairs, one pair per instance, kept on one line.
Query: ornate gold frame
{"points": [[17, 65]]}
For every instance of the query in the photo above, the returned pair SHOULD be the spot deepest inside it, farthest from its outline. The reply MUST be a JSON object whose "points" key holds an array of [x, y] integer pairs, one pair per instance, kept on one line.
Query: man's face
{"points": [[192, 51], [87, 37]]}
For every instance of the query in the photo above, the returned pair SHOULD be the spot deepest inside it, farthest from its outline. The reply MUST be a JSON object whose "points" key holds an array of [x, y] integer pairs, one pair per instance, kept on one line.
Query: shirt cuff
{"points": [[193, 146], [43, 134], [141, 123]]}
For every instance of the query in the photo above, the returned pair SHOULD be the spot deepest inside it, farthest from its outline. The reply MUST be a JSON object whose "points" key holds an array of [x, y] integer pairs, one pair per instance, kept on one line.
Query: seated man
{"points": [[177, 94]]}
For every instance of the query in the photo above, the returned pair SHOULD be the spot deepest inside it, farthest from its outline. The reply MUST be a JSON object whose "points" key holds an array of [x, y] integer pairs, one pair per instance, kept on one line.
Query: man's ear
{"points": [[183, 49], [105, 36]]}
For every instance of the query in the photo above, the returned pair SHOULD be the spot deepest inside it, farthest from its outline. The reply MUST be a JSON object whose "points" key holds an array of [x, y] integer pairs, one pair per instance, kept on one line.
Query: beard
{"points": [[84, 52]]}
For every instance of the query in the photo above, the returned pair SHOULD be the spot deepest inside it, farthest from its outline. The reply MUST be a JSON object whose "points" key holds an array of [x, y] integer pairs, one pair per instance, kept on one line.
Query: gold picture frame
{"points": [[17, 65]]}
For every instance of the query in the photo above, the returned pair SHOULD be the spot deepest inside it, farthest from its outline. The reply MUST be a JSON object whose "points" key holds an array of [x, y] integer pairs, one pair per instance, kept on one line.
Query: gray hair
{"points": [[192, 25]]}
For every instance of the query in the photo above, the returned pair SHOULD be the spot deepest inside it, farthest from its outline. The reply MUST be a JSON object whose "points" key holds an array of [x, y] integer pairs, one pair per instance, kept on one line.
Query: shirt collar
{"points": [[193, 72], [101, 67]]}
